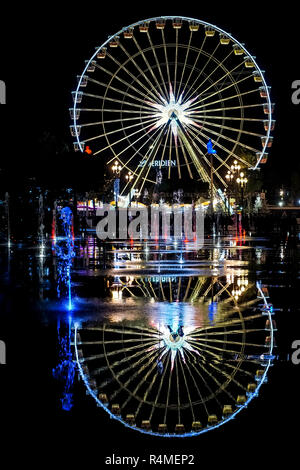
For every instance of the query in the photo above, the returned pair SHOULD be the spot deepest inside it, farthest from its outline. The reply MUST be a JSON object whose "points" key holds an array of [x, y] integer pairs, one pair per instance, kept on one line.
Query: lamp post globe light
{"points": [[235, 167], [129, 176], [116, 168], [242, 180]]}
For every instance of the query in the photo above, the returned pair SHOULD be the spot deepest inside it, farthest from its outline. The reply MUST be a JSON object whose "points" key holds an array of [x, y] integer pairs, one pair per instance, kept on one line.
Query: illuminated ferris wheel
{"points": [[154, 94], [176, 374]]}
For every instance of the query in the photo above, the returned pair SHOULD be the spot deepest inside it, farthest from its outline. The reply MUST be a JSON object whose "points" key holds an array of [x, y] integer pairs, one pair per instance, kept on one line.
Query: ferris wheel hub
{"points": [[173, 112], [174, 340]]}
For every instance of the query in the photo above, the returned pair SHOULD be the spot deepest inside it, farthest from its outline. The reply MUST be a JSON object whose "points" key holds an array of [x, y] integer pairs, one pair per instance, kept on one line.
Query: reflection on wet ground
{"points": [[171, 338]]}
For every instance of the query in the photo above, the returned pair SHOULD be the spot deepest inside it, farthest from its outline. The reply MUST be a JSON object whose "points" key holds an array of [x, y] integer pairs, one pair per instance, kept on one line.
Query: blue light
{"points": [[64, 372], [64, 250], [210, 149], [212, 310]]}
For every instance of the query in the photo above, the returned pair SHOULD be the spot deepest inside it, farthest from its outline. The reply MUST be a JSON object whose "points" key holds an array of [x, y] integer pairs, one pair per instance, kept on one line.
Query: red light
{"points": [[72, 232], [53, 231], [88, 150]]}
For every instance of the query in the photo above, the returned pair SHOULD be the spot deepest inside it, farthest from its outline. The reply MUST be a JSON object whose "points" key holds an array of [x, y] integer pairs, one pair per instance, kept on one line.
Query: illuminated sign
{"points": [[158, 163], [156, 279]]}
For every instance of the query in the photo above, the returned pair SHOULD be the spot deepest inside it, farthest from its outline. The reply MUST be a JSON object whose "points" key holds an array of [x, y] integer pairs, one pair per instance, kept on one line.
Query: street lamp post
{"points": [[116, 169], [129, 177], [242, 181], [229, 177], [234, 168], [211, 152]]}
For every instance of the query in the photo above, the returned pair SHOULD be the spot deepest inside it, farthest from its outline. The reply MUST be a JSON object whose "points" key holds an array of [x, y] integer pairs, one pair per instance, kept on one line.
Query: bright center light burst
{"points": [[174, 112], [173, 339]]}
